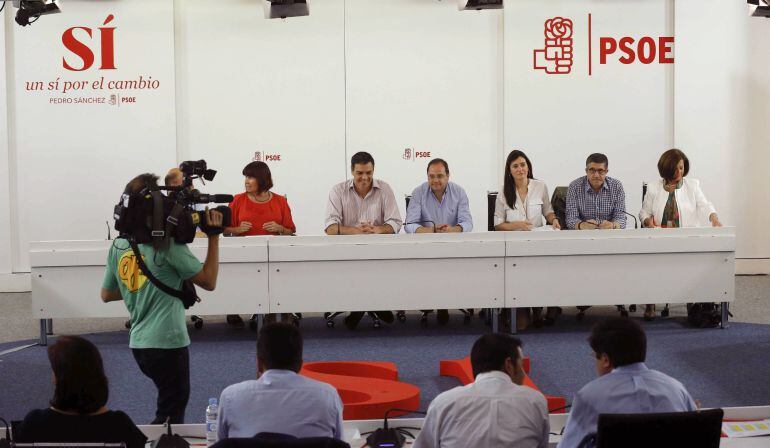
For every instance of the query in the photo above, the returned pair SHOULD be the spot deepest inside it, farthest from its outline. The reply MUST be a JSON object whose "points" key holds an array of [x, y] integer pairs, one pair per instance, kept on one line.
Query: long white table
{"points": [[494, 270], [354, 428]]}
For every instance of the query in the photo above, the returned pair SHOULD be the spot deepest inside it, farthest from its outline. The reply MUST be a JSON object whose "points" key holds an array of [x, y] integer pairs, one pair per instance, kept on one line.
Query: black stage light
{"points": [[760, 10], [281, 9], [31, 10], [466, 5]]}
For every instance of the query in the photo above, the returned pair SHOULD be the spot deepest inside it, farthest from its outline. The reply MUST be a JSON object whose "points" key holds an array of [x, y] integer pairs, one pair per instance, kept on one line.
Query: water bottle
{"points": [[212, 411]]}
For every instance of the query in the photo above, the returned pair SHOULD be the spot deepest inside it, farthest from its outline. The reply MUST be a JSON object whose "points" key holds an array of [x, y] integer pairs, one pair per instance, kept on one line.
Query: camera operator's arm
{"points": [[111, 295], [207, 277]]}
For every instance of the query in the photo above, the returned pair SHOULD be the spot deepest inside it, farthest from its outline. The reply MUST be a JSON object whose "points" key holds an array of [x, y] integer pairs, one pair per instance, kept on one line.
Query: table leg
{"points": [[725, 315], [495, 319], [43, 333], [49, 326], [513, 321]]}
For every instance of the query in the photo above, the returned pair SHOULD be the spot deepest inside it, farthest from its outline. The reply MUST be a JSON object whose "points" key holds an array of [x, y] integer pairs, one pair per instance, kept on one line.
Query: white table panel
{"points": [[67, 277], [360, 285], [627, 241], [387, 247], [619, 279]]}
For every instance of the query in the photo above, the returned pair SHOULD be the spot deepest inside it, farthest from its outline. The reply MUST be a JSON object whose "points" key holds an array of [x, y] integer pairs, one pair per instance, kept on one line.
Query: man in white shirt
{"points": [[494, 411], [280, 401]]}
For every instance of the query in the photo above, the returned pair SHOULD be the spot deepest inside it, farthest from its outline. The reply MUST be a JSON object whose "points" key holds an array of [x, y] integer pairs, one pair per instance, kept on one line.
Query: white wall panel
{"points": [[620, 110], [73, 160], [719, 111], [425, 76], [5, 193], [750, 174], [248, 84]]}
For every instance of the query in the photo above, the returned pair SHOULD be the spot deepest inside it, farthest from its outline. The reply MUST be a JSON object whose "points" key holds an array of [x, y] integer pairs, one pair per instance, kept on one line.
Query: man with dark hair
{"points": [[438, 205], [158, 337], [596, 201], [280, 400], [362, 205], [625, 384], [494, 411]]}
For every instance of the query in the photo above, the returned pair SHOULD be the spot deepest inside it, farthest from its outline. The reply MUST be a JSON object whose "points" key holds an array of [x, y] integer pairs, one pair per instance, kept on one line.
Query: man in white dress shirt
{"points": [[494, 411], [280, 401]]}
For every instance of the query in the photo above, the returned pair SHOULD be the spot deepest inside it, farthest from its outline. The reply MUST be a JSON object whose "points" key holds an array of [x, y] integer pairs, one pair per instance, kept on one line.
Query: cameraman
{"points": [[158, 336]]}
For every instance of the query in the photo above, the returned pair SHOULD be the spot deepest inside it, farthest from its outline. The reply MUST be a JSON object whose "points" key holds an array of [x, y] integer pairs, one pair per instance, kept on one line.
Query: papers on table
{"points": [[746, 429]]}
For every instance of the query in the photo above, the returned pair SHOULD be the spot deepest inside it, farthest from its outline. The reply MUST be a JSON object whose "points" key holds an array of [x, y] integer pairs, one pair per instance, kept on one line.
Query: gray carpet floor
{"points": [[719, 367]]}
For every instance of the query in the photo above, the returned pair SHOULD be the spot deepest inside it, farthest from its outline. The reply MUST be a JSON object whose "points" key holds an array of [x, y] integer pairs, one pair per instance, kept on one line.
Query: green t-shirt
{"points": [[157, 319]]}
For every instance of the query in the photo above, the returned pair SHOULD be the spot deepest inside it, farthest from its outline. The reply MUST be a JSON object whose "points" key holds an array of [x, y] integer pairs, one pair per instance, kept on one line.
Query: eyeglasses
{"points": [[600, 171]]}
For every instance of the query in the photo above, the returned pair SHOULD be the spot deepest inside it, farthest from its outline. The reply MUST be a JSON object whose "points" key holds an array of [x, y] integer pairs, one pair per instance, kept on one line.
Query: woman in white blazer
{"points": [[674, 200]]}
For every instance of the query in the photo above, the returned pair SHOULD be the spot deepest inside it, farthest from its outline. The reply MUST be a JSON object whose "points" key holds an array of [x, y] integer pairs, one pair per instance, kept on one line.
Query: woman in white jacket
{"points": [[675, 201]]}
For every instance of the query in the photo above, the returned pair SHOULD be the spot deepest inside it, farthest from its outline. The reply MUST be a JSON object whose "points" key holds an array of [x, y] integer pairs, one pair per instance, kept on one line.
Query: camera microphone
{"points": [[218, 198]]}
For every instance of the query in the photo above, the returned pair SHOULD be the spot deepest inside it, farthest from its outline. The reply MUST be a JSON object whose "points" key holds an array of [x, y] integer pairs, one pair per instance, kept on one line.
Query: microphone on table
{"points": [[636, 223], [6, 443], [391, 437]]}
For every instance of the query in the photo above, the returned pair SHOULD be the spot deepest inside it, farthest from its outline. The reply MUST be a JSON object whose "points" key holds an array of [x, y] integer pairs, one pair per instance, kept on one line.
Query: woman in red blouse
{"points": [[258, 211]]}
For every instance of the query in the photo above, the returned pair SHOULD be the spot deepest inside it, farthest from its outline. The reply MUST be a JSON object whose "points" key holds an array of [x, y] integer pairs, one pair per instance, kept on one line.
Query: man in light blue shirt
{"points": [[280, 401], [438, 205], [625, 384]]}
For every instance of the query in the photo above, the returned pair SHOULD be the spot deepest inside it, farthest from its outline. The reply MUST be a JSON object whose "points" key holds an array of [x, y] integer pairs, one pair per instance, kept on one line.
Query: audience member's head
{"points": [[80, 383], [279, 347], [617, 342], [501, 352], [174, 178]]}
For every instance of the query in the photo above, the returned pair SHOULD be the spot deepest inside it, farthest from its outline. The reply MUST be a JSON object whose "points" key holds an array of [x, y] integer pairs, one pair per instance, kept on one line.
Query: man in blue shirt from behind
{"points": [[625, 384], [438, 206], [280, 400]]}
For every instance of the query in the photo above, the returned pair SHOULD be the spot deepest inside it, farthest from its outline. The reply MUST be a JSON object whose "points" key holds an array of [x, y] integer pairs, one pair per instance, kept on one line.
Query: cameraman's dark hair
{"points": [[598, 157], [436, 162], [490, 351], [621, 339], [280, 347], [141, 181], [81, 385], [361, 158], [261, 172]]}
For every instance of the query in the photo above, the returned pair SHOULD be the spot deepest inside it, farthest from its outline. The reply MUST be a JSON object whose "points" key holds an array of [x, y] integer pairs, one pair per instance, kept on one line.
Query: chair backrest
{"points": [[491, 198], [559, 204], [275, 440], [700, 429]]}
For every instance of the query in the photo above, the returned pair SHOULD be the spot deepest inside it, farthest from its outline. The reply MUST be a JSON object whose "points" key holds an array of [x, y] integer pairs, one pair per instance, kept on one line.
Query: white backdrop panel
{"points": [[5, 193], [75, 159], [273, 86], [423, 75], [710, 105], [621, 110]]}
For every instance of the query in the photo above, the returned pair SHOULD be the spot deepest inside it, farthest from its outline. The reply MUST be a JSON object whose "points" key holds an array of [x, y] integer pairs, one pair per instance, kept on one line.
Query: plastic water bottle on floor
{"points": [[212, 411]]}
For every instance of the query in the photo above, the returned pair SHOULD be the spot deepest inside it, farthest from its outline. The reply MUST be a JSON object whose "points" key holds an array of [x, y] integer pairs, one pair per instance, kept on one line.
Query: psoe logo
{"points": [[556, 57], [411, 154], [260, 156], [81, 47]]}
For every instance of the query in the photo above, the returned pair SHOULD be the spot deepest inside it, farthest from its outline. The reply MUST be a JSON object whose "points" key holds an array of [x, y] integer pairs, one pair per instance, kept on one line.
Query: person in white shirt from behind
{"points": [[494, 411], [675, 200], [281, 400]]}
